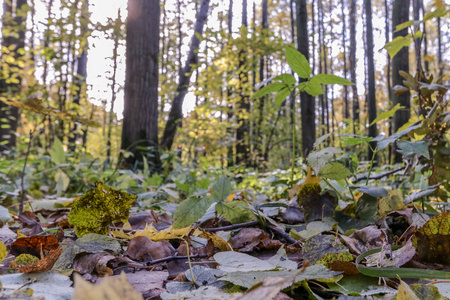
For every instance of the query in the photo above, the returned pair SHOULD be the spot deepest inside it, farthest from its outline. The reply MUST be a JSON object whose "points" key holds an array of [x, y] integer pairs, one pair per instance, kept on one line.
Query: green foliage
{"points": [[98, 208], [25, 259]]}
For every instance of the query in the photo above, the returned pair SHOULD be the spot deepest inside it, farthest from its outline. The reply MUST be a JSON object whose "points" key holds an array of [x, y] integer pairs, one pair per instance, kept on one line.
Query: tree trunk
{"points": [[140, 115], [355, 99], [243, 105], [230, 109], [344, 45], [400, 62], [388, 68], [13, 21], [307, 103], [176, 111], [80, 77], [372, 101]]}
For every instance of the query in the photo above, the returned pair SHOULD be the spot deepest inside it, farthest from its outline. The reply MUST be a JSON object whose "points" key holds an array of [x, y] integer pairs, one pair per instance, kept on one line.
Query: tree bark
{"points": [[140, 115], [371, 98], [243, 105], [400, 62], [344, 45], [352, 60], [176, 111], [307, 103], [14, 21]]}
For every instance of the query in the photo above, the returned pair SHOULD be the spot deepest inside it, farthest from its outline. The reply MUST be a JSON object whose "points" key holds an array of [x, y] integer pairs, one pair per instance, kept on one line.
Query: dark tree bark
{"points": [[14, 22], [307, 103], [371, 99], [140, 115], [176, 111], [243, 105], [230, 109], [388, 59], [344, 45], [400, 62], [80, 76], [352, 60]]}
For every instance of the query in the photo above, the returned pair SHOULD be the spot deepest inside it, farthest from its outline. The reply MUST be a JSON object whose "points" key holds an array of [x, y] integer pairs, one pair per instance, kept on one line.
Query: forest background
{"points": [[48, 101]]}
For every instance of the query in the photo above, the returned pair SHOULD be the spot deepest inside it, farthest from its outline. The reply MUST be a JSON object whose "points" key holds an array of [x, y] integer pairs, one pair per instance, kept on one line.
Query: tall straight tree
{"points": [[400, 62], [176, 111], [307, 103], [13, 43], [371, 98], [243, 105], [140, 115], [352, 60]]}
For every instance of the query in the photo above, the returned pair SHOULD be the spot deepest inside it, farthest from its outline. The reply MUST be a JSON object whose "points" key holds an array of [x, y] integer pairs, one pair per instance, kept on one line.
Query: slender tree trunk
{"points": [[372, 101], [355, 99], [13, 35], [243, 105], [176, 111], [344, 46], [306, 101], [440, 64], [400, 62], [140, 115], [230, 109], [388, 68]]}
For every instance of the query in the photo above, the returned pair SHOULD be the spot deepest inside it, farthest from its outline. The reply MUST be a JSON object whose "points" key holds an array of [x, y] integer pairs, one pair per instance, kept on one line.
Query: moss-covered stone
{"points": [[98, 208]]}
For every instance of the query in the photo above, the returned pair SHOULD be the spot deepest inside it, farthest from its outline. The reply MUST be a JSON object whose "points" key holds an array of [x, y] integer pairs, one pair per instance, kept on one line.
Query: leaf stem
{"points": [[333, 188], [371, 163]]}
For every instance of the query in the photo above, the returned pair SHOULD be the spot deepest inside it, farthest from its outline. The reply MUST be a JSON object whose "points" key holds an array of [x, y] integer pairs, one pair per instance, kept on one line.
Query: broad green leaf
{"points": [[298, 62], [367, 208], [373, 191], [419, 148], [317, 159], [190, 210], [314, 87], [234, 212], [440, 12], [385, 142], [221, 189], [331, 79], [273, 87], [420, 194], [154, 181], [62, 181], [334, 170], [203, 183], [354, 139], [289, 79], [57, 153], [397, 44], [403, 25], [387, 114], [281, 96], [184, 187], [321, 139]]}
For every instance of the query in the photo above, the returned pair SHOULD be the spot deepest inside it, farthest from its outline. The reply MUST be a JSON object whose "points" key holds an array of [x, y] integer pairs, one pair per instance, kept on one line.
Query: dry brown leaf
{"points": [[111, 288], [42, 265]]}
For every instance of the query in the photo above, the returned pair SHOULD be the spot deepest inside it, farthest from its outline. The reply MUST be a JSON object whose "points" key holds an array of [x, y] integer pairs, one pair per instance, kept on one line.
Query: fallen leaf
{"points": [[34, 245], [111, 288], [44, 264]]}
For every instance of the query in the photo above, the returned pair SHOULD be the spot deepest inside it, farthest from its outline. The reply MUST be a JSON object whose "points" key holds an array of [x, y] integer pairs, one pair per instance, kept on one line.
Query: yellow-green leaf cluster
{"points": [[98, 208]]}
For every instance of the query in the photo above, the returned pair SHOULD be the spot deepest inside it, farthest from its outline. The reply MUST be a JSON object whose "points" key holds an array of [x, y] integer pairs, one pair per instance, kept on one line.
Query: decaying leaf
{"points": [[42, 265], [111, 288], [98, 208]]}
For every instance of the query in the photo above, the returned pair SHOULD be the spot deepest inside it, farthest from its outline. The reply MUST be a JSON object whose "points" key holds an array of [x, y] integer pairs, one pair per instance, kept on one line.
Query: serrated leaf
{"points": [[221, 189], [440, 12], [387, 114], [317, 159], [385, 142], [403, 25], [314, 87], [331, 79], [234, 212], [321, 139], [419, 148], [298, 62], [190, 210], [274, 87], [335, 171], [281, 96], [394, 46], [286, 78], [354, 139]]}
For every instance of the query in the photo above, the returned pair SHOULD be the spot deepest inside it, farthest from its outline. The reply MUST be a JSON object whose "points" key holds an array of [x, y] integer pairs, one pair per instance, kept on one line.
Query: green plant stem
{"points": [[293, 140], [351, 192], [371, 163], [332, 187], [189, 261]]}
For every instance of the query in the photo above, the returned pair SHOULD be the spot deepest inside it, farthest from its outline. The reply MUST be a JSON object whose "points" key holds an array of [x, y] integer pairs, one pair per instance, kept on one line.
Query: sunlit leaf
{"points": [[387, 114], [396, 45], [298, 62], [334, 170], [331, 79], [273, 87]]}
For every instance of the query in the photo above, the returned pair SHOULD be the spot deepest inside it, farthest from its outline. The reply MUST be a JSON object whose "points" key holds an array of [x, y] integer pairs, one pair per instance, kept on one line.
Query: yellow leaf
{"points": [[20, 235], [111, 288], [218, 242], [405, 292], [3, 251]]}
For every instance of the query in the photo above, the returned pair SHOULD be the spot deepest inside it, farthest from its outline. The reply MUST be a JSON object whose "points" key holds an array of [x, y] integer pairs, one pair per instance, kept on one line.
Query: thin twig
{"points": [[379, 176], [234, 226], [282, 233], [22, 185]]}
